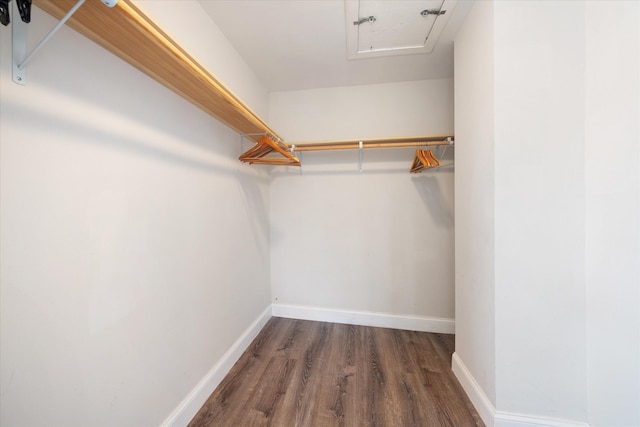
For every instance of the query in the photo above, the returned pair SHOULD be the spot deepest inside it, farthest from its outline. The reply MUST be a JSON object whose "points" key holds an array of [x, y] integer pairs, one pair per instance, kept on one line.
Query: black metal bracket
{"points": [[24, 6], [5, 18]]}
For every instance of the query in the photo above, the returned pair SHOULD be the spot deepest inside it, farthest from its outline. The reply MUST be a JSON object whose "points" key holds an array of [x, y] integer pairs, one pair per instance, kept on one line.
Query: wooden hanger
{"points": [[265, 146], [424, 159]]}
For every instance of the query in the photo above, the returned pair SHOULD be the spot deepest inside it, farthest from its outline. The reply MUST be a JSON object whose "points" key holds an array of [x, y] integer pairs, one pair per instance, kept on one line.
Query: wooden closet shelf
{"points": [[127, 32], [131, 35]]}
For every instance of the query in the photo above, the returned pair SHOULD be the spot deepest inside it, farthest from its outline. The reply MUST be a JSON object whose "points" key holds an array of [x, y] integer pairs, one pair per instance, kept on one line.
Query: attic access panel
{"points": [[394, 27]]}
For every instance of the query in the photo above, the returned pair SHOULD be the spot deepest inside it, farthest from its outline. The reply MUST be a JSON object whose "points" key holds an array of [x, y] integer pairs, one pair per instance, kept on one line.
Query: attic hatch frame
{"points": [[354, 18]]}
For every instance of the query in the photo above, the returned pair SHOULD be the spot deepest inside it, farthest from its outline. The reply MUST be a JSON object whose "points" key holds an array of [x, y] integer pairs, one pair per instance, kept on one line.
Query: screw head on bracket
{"points": [[371, 19]]}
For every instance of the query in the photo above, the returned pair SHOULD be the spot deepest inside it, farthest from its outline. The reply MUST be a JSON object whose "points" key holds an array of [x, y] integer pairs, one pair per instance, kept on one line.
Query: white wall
{"points": [[126, 224], [372, 111], [190, 26], [612, 260], [378, 241], [475, 198], [567, 211], [540, 210]]}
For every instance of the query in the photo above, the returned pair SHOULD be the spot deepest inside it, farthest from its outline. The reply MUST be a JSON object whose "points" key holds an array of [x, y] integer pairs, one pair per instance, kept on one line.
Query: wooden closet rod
{"points": [[354, 144]]}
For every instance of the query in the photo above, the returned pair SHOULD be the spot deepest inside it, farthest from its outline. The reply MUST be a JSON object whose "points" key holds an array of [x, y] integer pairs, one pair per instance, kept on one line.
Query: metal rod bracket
{"points": [[370, 19], [301, 162], [436, 12]]}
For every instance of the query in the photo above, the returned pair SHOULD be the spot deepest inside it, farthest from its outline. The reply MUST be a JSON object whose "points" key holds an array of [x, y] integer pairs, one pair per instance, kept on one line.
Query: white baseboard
{"points": [[480, 400], [509, 419], [190, 406], [366, 318], [488, 412]]}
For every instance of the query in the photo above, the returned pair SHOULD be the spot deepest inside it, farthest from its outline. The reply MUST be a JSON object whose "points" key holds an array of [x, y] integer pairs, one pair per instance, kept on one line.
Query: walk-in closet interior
{"points": [[445, 190]]}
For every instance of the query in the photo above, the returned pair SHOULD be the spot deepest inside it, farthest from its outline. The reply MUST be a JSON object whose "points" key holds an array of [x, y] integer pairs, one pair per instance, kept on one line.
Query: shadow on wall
{"points": [[256, 204], [431, 194], [347, 162], [128, 135]]}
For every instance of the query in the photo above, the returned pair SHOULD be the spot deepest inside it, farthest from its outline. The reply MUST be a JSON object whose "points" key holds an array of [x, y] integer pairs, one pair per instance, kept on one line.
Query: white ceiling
{"points": [[301, 44]]}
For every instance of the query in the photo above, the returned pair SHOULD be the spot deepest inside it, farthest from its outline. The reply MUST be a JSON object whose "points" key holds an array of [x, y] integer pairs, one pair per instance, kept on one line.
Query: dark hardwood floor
{"points": [[303, 373]]}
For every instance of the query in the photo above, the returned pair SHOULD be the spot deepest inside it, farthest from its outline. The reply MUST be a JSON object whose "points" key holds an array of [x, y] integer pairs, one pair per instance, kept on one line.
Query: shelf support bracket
{"points": [[19, 46], [19, 36]]}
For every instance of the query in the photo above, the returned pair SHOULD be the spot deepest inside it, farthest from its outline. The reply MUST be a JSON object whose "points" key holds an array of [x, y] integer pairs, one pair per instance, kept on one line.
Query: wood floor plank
{"points": [[310, 377], [273, 385], [237, 386], [301, 373], [336, 395]]}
